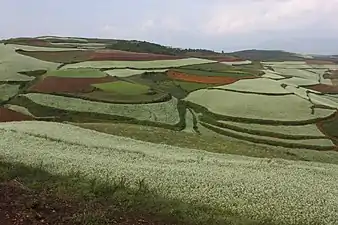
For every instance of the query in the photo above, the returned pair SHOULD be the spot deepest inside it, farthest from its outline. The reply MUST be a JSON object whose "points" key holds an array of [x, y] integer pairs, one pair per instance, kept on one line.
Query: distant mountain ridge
{"points": [[149, 47]]}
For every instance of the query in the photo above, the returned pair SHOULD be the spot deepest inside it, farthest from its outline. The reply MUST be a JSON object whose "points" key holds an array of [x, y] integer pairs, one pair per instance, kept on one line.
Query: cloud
{"points": [[269, 15]]}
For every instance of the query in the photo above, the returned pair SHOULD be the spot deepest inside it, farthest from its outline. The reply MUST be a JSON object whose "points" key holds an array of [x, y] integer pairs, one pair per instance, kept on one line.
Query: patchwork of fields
{"points": [[288, 104]]}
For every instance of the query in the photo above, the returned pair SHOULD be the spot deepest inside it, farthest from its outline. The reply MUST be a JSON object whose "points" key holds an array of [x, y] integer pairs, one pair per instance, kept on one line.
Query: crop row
{"points": [[273, 190]]}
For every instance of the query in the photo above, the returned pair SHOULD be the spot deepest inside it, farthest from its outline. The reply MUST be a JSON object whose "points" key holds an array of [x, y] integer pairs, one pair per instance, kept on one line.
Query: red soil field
{"points": [[203, 79], [319, 62], [7, 115], [68, 85], [105, 55], [324, 88]]}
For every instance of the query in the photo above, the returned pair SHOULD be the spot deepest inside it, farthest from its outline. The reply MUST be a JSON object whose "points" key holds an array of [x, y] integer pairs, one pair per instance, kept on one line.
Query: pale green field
{"points": [[156, 64], [7, 91], [77, 73], [280, 191], [12, 62], [35, 48], [272, 75], [123, 88], [258, 85], [295, 81], [19, 109], [164, 112], [253, 106], [130, 72]]}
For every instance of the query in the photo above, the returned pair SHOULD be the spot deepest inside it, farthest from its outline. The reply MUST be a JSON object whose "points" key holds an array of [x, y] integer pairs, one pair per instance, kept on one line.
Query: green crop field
{"points": [[123, 88], [130, 142], [77, 73]]}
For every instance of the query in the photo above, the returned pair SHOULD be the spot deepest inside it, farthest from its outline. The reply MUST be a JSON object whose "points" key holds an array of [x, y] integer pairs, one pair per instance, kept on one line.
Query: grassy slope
{"points": [[77, 73], [122, 87]]}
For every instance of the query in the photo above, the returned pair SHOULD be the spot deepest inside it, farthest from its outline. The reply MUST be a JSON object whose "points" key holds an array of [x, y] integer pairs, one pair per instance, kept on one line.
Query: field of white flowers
{"points": [[164, 112], [287, 192], [254, 106]]}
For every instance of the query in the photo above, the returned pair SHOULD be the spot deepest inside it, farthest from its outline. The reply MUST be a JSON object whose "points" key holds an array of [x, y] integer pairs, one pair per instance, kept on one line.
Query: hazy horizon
{"points": [[290, 25]]}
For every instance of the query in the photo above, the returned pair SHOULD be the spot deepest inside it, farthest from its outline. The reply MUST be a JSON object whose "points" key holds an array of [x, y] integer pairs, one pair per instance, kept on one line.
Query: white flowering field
{"points": [[254, 106], [164, 112], [285, 192], [259, 85], [158, 64]]}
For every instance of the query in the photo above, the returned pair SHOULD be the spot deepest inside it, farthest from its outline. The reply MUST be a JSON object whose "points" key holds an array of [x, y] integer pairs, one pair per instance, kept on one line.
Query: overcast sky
{"points": [[308, 26]]}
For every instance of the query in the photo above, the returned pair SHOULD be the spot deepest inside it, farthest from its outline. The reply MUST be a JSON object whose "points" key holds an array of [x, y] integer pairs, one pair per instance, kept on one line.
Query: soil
{"points": [[324, 88], [203, 79], [7, 115], [68, 84], [22, 206]]}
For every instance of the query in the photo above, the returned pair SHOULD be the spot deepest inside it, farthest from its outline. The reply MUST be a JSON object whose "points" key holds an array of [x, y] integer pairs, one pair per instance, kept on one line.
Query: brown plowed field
{"points": [[7, 115], [68, 85], [319, 62], [324, 88], [203, 79]]}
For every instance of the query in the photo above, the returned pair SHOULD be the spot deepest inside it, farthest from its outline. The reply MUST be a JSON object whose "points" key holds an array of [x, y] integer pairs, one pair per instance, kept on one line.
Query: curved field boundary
{"points": [[61, 115], [215, 116], [8, 115], [8, 90], [266, 141], [266, 133], [201, 79], [53, 84]]}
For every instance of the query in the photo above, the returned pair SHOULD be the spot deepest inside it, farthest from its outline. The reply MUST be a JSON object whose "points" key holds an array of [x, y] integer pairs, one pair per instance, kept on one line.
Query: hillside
{"points": [[165, 135]]}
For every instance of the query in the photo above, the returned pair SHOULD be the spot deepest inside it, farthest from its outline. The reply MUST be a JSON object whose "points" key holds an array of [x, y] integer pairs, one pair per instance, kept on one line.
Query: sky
{"points": [[304, 26]]}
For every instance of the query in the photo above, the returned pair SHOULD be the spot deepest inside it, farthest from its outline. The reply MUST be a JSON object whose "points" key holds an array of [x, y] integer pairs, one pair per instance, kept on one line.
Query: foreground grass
{"points": [[212, 143], [105, 203]]}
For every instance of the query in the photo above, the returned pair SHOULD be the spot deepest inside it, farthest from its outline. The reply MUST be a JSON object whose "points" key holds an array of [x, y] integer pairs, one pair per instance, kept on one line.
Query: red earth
{"points": [[203, 79], [7, 115], [324, 88], [68, 85]]}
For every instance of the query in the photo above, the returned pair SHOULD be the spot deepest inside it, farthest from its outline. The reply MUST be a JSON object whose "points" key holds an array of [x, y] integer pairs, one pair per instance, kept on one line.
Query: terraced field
{"points": [[216, 107]]}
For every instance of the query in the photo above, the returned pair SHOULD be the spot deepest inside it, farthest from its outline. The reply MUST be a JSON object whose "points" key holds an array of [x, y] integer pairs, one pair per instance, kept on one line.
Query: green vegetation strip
{"points": [[123, 87], [55, 114], [214, 74], [77, 73], [270, 191]]}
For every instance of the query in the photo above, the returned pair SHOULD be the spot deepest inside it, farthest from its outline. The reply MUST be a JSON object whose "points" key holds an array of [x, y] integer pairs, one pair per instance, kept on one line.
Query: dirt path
{"points": [[22, 206]]}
